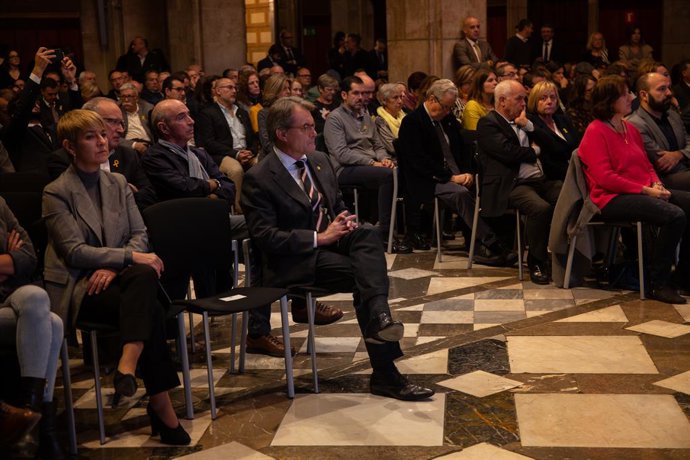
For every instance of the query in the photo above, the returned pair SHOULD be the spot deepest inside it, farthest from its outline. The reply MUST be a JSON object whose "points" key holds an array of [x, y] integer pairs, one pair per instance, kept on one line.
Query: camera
{"points": [[59, 55]]}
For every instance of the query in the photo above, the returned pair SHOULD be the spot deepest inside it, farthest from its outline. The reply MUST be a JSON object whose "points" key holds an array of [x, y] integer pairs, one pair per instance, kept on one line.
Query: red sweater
{"points": [[611, 166]]}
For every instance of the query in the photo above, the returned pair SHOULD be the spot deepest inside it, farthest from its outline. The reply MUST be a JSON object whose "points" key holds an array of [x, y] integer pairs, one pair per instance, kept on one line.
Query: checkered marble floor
{"points": [[520, 370]]}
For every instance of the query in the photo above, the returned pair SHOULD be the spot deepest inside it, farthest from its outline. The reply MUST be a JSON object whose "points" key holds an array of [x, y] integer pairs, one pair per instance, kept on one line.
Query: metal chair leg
{"points": [[394, 210], [69, 404], [356, 193], [640, 256], [311, 311], [184, 358], [286, 343], [97, 375], [518, 223], [209, 366], [437, 225], [233, 341], [243, 341], [473, 236], [569, 262]]}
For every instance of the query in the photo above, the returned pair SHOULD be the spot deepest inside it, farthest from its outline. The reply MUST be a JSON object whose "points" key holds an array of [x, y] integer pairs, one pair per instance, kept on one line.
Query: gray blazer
{"points": [[82, 239], [463, 53], [654, 139]]}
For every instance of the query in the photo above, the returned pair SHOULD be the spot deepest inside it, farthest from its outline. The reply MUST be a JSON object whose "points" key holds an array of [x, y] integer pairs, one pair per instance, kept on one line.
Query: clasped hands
{"points": [[657, 190], [343, 224], [101, 278]]}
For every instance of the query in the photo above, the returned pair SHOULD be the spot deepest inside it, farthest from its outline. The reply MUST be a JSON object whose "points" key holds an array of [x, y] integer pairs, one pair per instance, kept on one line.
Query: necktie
{"points": [[289, 54], [447, 154], [56, 115], [312, 193], [546, 51], [477, 51]]}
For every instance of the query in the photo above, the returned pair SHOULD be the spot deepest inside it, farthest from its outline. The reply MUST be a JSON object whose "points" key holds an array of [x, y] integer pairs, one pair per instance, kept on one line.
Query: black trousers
{"points": [[373, 178], [131, 303], [355, 264], [536, 199], [670, 217]]}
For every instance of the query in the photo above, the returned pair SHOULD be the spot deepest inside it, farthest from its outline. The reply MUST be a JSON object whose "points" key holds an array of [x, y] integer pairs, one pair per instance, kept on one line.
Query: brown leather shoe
{"points": [[267, 345], [325, 314], [15, 422]]}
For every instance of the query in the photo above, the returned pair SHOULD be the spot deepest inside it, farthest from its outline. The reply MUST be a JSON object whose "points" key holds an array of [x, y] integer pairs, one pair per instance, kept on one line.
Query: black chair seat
{"points": [[215, 306], [89, 326]]}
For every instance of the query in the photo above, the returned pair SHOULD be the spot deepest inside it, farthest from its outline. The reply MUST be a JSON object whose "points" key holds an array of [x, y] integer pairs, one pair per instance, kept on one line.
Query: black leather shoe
{"points": [[173, 436], [383, 329], [398, 387], [485, 256], [510, 258], [538, 275], [125, 384], [400, 247], [418, 242], [448, 236], [666, 294]]}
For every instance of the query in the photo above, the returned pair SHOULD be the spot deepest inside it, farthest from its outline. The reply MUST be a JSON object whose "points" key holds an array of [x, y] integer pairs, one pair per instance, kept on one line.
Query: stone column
{"points": [[422, 33], [676, 33], [223, 35], [592, 17], [184, 32], [515, 10]]}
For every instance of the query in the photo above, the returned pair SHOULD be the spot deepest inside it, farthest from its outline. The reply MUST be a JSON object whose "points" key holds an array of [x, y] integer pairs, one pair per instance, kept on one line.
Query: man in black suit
{"points": [[290, 57], [139, 59], [30, 136], [225, 131], [432, 159], [152, 88], [513, 174], [122, 159], [518, 47], [297, 218], [470, 49], [547, 49]]}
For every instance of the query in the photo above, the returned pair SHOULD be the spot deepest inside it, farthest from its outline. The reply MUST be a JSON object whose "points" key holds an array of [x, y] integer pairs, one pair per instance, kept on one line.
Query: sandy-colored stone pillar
{"points": [[224, 34], [422, 33]]}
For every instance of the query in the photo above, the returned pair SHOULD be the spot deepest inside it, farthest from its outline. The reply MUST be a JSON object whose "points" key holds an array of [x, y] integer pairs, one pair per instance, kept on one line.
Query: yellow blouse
{"points": [[471, 115]]}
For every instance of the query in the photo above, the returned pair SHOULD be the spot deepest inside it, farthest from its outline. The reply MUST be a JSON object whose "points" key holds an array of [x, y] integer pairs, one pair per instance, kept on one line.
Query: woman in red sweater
{"points": [[624, 186]]}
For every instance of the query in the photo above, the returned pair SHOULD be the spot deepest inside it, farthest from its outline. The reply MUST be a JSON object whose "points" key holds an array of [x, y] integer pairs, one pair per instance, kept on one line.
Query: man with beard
{"points": [[665, 139]]}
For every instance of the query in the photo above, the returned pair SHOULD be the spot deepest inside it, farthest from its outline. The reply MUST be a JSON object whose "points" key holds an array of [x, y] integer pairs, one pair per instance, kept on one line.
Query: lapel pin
{"points": [[116, 163], [318, 167]]}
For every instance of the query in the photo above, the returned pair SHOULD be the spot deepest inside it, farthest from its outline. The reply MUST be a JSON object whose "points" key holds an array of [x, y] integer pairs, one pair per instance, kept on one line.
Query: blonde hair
{"points": [[75, 122], [538, 91]]}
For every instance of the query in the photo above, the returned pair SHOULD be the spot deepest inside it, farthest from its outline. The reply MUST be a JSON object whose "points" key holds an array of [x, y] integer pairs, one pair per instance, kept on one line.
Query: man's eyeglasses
{"points": [[128, 96], [227, 87], [305, 128], [114, 122], [446, 108]]}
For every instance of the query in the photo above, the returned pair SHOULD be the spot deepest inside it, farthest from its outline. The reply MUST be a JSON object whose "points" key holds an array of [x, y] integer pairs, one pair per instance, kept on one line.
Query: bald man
{"points": [[514, 177], [470, 49]]}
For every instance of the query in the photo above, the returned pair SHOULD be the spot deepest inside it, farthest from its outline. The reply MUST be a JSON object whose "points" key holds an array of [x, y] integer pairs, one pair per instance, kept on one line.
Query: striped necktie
{"points": [[312, 193]]}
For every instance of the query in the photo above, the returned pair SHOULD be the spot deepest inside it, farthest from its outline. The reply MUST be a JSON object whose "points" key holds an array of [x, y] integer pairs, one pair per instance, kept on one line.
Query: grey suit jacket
{"points": [[81, 239], [654, 139], [463, 53]]}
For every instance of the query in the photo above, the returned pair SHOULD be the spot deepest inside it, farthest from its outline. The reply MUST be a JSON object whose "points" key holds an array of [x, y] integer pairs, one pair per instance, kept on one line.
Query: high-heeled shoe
{"points": [[173, 436], [125, 384]]}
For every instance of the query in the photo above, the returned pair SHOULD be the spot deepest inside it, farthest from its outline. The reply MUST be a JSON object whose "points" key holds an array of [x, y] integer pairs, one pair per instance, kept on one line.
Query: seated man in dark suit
{"points": [[136, 113], [664, 136], [178, 171], [225, 131], [122, 159], [298, 220], [513, 175], [431, 148]]}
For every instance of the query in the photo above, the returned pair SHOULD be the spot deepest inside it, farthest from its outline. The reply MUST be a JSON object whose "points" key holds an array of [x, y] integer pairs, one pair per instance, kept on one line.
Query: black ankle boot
{"points": [[49, 442], [31, 398]]}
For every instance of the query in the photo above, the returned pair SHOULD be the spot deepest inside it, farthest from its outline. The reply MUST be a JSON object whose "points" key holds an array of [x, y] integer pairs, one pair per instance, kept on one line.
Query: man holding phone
{"points": [[225, 131]]}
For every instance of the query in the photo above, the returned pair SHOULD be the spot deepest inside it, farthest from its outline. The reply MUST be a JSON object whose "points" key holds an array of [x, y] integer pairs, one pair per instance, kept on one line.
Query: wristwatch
{"points": [[217, 183]]}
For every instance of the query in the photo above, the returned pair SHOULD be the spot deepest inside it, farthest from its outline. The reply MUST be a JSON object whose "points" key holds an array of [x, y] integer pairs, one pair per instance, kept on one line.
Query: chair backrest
{"points": [[190, 234]]}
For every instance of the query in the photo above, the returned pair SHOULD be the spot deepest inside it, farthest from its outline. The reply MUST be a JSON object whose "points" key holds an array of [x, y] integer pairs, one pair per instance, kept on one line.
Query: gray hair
{"points": [[441, 87], [280, 113], [386, 91], [129, 85], [505, 89], [93, 104], [327, 81]]}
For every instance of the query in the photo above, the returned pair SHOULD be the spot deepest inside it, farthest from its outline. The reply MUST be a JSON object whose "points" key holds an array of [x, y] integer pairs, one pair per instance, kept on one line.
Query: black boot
{"points": [[49, 442], [32, 398]]}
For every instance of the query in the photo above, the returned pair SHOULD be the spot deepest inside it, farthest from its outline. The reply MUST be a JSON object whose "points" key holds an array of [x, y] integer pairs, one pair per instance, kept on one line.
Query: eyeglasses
{"points": [[304, 75], [446, 108], [179, 88], [226, 87], [128, 96], [114, 122], [305, 128]]}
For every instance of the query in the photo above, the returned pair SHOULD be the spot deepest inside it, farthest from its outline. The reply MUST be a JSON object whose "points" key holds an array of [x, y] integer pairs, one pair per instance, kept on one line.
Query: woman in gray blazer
{"points": [[98, 267]]}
